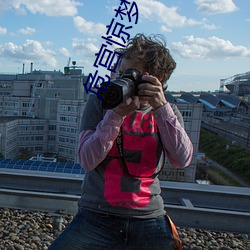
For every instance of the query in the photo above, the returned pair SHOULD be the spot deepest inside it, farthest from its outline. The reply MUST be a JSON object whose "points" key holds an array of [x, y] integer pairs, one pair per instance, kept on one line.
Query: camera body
{"points": [[120, 89]]}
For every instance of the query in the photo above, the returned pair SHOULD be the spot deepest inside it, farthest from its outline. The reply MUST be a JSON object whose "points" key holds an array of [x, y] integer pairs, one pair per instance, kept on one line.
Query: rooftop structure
{"points": [[216, 102], [43, 158], [238, 84]]}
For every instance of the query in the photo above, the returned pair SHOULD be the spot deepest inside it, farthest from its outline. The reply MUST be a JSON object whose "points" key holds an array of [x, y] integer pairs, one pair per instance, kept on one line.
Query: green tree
{"points": [[24, 154], [234, 157]]}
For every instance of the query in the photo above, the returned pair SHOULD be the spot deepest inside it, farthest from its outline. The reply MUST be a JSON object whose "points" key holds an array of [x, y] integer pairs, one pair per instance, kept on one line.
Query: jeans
{"points": [[94, 231]]}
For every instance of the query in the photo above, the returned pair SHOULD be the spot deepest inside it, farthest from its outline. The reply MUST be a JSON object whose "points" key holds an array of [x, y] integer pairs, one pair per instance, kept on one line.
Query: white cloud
{"points": [[210, 7], [208, 26], [85, 50], [64, 52], [3, 30], [46, 7], [86, 47], [168, 17], [89, 28], [27, 31], [48, 43], [211, 48], [4, 5], [31, 51]]}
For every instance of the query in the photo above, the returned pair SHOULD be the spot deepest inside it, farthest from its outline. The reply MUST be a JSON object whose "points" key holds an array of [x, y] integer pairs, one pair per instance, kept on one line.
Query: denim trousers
{"points": [[95, 231]]}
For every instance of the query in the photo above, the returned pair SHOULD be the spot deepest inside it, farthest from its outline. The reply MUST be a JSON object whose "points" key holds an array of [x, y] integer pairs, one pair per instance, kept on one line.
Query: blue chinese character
{"points": [[122, 11], [117, 32], [136, 13], [124, 2], [110, 56], [98, 84]]}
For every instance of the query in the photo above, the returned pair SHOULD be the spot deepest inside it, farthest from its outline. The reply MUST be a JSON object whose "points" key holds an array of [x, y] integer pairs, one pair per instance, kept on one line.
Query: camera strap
{"points": [[119, 142]]}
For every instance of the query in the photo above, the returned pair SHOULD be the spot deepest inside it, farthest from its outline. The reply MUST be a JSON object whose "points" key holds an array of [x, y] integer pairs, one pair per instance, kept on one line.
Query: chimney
{"points": [[31, 67], [23, 68]]}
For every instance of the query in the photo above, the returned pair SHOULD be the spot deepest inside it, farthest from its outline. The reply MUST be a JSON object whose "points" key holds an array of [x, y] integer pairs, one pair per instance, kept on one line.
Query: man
{"points": [[122, 151]]}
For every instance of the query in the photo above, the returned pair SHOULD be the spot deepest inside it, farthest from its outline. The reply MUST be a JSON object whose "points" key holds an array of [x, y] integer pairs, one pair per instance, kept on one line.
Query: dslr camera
{"points": [[120, 89]]}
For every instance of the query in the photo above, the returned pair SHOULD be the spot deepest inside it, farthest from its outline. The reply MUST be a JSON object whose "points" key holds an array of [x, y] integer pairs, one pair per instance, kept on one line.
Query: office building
{"points": [[40, 111]]}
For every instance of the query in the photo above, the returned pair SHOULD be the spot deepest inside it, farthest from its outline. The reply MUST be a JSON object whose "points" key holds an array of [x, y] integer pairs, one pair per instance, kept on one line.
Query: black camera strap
{"points": [[119, 142]]}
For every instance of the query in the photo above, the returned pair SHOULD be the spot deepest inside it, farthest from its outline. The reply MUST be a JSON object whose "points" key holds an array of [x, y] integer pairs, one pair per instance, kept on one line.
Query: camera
{"points": [[120, 89]]}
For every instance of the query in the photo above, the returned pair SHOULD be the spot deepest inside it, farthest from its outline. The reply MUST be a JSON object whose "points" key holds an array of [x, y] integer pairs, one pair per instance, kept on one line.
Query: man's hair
{"points": [[152, 52]]}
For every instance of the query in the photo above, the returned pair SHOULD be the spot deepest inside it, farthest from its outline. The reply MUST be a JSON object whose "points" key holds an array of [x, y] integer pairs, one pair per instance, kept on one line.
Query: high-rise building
{"points": [[40, 111]]}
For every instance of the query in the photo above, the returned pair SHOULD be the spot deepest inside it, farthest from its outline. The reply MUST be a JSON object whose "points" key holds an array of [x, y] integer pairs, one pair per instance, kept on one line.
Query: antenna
{"points": [[69, 62], [66, 68]]}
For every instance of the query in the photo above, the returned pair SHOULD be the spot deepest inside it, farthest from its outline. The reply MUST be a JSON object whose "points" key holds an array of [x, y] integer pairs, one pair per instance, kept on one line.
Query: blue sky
{"points": [[209, 39]]}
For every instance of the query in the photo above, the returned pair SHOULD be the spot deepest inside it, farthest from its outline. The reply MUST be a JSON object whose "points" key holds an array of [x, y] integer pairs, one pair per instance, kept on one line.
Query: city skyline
{"points": [[207, 38]]}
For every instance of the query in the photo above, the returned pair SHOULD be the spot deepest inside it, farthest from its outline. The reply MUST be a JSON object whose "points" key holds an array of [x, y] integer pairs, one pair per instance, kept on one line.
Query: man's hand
{"points": [[152, 91], [128, 106]]}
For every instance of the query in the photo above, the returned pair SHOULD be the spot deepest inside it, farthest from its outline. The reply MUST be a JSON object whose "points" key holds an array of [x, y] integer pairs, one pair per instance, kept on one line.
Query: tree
{"points": [[24, 154]]}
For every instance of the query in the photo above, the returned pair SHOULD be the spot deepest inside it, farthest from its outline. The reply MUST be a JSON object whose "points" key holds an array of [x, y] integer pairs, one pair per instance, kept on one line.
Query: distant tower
{"points": [[222, 86], [31, 67]]}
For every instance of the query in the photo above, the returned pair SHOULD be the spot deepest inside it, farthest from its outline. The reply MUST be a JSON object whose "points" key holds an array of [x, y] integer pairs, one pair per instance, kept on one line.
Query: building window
{"points": [[67, 118], [39, 138], [186, 113], [51, 137], [52, 127], [38, 148], [39, 127]]}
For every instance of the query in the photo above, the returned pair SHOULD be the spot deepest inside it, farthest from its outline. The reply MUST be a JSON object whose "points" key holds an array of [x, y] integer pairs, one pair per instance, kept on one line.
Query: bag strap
{"points": [[176, 237]]}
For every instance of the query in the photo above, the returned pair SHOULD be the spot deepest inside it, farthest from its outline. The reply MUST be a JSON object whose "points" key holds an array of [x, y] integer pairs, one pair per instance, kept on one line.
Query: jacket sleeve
{"points": [[177, 144], [97, 135]]}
